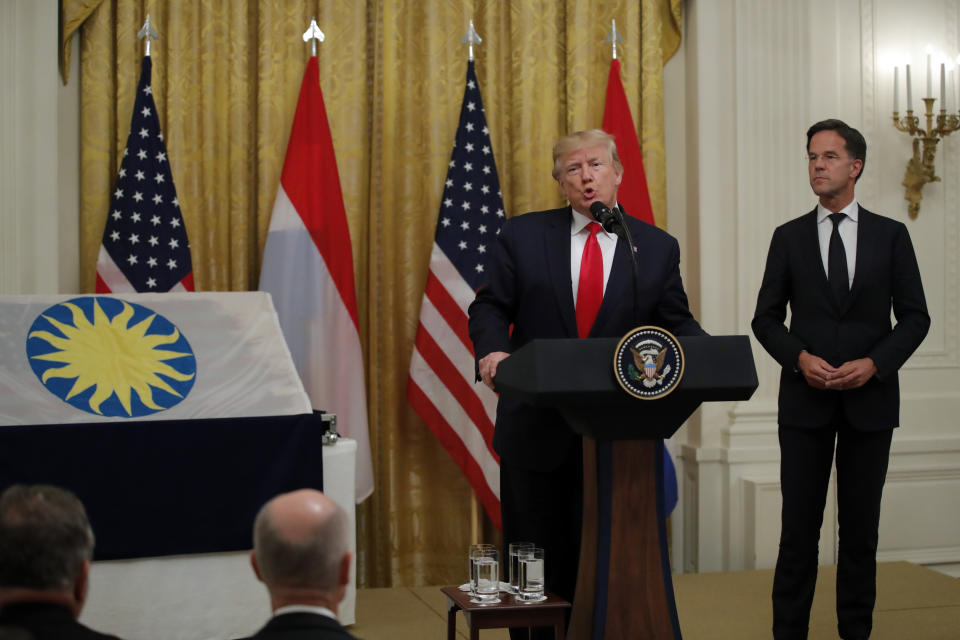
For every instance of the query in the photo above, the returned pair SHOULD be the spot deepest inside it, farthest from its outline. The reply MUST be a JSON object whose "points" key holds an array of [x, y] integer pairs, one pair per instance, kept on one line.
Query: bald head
{"points": [[300, 542]]}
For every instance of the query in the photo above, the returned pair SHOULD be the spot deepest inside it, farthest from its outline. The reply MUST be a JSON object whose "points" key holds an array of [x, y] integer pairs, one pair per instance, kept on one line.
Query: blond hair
{"points": [[581, 140]]}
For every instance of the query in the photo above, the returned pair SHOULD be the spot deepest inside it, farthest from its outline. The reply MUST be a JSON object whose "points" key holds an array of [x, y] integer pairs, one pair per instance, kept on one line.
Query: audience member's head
{"points": [[300, 549], [46, 545]]}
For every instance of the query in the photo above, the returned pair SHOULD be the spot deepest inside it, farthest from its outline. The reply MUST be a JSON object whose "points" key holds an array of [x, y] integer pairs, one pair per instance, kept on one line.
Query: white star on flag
{"points": [[123, 264]]}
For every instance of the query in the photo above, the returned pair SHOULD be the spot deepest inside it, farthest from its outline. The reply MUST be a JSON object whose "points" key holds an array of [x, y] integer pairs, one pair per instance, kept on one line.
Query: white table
{"points": [[206, 596]]}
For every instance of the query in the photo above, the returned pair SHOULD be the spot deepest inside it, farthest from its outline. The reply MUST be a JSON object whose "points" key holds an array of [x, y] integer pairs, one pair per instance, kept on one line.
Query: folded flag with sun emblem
{"points": [[171, 356]]}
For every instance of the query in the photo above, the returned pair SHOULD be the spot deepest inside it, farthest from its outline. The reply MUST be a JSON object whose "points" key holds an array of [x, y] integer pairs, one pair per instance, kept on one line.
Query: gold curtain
{"points": [[226, 77]]}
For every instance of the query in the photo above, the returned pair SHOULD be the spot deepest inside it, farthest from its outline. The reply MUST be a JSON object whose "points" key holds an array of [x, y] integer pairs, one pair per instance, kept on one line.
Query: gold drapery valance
{"points": [[226, 76]]}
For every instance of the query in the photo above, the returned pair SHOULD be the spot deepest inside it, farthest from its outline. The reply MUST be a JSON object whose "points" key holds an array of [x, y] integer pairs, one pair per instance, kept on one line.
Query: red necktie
{"points": [[590, 287]]}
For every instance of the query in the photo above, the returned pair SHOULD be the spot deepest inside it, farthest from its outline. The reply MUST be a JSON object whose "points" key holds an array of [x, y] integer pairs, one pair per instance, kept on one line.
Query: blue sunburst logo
{"points": [[111, 357]]}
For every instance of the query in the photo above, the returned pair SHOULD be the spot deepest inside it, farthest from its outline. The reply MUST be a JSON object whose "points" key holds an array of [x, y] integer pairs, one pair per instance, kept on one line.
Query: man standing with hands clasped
{"points": [[841, 268]]}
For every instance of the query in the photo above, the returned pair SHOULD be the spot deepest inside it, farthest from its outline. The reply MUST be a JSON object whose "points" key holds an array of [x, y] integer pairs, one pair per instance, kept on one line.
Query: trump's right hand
{"points": [[488, 366]]}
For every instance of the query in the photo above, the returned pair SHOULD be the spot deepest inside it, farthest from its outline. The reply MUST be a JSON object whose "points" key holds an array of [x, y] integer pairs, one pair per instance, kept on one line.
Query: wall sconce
{"points": [[920, 168]]}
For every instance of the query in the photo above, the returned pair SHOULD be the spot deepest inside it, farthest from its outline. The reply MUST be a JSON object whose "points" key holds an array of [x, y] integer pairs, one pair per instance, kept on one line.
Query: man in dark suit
{"points": [[841, 269], [300, 553], [557, 274], [46, 544]]}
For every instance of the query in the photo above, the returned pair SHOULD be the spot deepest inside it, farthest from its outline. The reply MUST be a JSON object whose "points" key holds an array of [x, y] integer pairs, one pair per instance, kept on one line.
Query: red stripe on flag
{"points": [[455, 447], [617, 121], [187, 282], [102, 286], [444, 303], [311, 181], [458, 387]]}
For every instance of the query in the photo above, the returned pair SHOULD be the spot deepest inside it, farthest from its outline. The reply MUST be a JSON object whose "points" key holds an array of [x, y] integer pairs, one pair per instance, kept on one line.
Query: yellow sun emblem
{"points": [[118, 358]]}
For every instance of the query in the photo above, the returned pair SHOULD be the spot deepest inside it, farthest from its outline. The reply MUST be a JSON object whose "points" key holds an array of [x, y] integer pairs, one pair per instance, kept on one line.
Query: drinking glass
{"points": [[488, 577], [476, 551], [513, 549], [531, 574]]}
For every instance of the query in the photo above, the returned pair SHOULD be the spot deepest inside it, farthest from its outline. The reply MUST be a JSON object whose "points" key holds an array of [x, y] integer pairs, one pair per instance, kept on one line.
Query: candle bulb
{"points": [[896, 89], [956, 89], [956, 86], [929, 82], [943, 87], [946, 105], [909, 91]]}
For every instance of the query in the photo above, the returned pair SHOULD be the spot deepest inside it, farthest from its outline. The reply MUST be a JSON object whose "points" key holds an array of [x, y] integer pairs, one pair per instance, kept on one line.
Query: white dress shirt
{"points": [[578, 240], [305, 608], [848, 233]]}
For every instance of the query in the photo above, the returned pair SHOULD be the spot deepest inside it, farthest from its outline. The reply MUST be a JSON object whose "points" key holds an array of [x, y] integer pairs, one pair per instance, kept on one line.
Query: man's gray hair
{"points": [[312, 563], [581, 140], [45, 537]]}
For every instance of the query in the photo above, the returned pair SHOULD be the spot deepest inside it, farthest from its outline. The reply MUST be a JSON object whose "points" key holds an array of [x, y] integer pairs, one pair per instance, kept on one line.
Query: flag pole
{"points": [[471, 38], [613, 37], [313, 33], [468, 221], [149, 33]]}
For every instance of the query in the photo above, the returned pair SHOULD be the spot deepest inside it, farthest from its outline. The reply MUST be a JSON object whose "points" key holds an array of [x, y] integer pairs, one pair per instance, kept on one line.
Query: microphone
{"points": [[613, 222], [606, 217]]}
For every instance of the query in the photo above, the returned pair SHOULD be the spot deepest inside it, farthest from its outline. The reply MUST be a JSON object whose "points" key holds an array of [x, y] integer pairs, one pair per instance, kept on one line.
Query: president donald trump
{"points": [[559, 274]]}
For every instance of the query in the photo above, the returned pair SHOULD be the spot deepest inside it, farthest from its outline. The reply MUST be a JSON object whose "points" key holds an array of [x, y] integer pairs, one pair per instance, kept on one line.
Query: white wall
{"points": [[752, 76], [39, 154]]}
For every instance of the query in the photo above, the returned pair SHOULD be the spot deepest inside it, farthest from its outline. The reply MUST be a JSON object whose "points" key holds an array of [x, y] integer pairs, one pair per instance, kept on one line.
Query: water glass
{"points": [[531, 574], [513, 550], [488, 578], [477, 551]]}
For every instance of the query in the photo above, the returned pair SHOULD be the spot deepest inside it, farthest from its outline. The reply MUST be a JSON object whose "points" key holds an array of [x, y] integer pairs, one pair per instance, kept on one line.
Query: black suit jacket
{"points": [[302, 626], [886, 276], [44, 621], [529, 288]]}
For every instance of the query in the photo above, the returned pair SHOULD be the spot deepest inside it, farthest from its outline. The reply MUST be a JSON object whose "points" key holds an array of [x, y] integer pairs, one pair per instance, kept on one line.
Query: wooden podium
{"points": [[624, 584]]}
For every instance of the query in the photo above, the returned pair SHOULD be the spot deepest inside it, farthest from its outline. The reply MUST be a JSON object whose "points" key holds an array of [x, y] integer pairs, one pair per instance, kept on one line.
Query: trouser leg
{"points": [[545, 508], [806, 457], [862, 458]]}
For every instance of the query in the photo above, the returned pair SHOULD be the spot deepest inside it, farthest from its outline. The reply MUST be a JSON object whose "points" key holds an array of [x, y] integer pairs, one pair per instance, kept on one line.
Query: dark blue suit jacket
{"points": [[302, 626], [529, 287], [45, 621], [886, 277]]}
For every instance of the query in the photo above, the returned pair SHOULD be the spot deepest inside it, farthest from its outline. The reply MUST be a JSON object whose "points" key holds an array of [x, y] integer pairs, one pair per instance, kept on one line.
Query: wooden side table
{"points": [[509, 612]]}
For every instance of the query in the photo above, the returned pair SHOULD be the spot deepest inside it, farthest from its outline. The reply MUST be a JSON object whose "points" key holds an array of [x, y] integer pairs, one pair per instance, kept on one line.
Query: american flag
{"points": [[441, 387], [144, 246]]}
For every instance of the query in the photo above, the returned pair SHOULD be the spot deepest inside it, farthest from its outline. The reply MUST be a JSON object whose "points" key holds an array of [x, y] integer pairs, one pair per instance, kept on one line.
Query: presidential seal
{"points": [[648, 363]]}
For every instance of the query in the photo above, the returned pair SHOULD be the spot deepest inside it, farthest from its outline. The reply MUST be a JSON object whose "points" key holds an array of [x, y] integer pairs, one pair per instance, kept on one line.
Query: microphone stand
{"points": [[623, 232], [612, 220]]}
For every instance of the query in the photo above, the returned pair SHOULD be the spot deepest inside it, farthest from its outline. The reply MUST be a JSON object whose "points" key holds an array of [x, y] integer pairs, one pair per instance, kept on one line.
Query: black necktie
{"points": [[837, 261]]}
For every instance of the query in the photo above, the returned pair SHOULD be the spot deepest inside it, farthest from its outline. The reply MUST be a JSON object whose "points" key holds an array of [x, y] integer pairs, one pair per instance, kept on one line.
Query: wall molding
{"points": [[10, 212]]}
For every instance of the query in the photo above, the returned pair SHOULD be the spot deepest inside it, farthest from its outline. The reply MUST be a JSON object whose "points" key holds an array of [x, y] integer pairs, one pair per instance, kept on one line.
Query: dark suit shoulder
{"points": [[646, 232], [883, 223], [798, 223], [46, 621], [297, 626], [525, 221]]}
